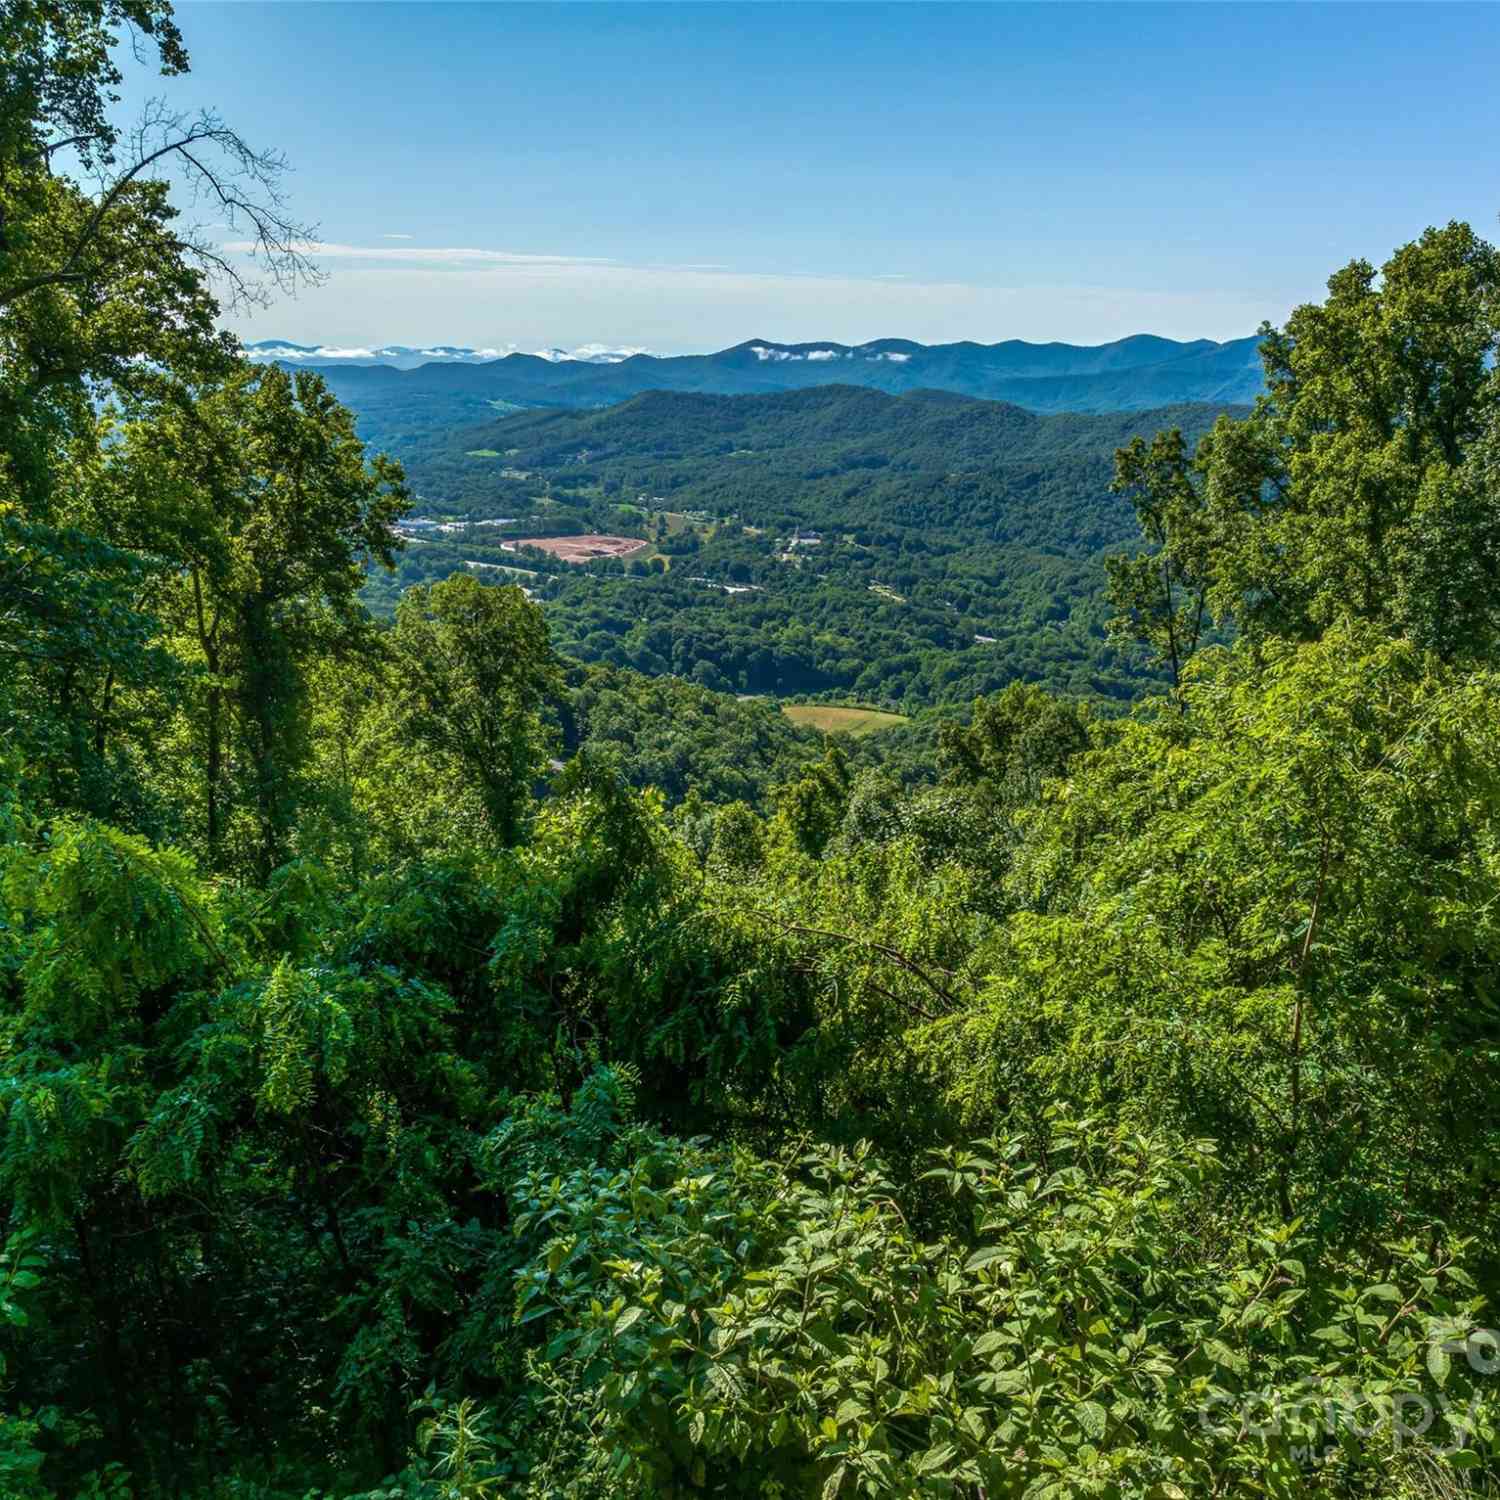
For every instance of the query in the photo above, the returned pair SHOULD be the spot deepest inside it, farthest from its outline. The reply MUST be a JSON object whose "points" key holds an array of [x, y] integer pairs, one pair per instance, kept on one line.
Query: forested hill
{"points": [[958, 542], [915, 426], [1129, 375], [835, 456]]}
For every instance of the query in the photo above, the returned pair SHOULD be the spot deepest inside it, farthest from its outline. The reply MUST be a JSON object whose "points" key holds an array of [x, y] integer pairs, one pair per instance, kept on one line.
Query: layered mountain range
{"points": [[1130, 374]]}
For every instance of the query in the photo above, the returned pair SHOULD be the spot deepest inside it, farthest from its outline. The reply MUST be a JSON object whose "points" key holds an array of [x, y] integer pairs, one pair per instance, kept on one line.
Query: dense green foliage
{"points": [[671, 734], [959, 543], [399, 1100], [1364, 481]]}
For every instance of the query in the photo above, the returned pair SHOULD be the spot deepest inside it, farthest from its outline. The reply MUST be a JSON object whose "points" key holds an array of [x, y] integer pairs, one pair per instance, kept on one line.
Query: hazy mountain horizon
{"points": [[892, 350], [1127, 374]]}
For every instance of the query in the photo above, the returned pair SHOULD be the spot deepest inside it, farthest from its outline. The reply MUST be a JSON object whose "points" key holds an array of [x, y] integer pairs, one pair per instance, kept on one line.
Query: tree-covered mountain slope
{"points": [[908, 550], [1128, 375], [838, 455]]}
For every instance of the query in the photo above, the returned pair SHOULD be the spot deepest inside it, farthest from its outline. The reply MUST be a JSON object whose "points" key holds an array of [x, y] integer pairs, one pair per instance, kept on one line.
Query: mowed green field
{"points": [[832, 719]]}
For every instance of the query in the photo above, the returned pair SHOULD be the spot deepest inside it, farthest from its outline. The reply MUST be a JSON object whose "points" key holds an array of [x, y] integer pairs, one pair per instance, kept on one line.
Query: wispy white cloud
{"points": [[466, 257], [483, 296], [605, 353], [297, 354], [395, 236], [818, 356], [406, 355]]}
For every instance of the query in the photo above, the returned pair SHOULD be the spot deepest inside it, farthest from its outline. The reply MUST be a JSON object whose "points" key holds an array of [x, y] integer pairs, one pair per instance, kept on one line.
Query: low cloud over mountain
{"points": [[409, 357], [1129, 374]]}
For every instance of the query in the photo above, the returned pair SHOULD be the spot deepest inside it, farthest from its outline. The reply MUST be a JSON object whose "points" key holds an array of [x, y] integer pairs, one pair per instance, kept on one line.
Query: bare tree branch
{"points": [[216, 164]]}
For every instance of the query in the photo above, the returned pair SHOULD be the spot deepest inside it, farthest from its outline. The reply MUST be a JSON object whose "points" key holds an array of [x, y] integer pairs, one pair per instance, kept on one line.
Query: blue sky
{"points": [[686, 176]]}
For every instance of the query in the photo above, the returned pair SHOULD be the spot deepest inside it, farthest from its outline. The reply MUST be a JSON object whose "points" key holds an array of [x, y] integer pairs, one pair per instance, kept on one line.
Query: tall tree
{"points": [[1013, 741], [101, 279], [475, 669], [103, 289], [259, 488], [1161, 596], [1359, 486]]}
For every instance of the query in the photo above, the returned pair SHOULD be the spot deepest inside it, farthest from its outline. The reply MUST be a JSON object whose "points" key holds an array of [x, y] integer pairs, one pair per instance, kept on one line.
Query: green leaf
{"points": [[1221, 1354], [936, 1458], [1331, 1334], [985, 1257], [561, 1342], [1091, 1417], [1003, 1382], [850, 1410]]}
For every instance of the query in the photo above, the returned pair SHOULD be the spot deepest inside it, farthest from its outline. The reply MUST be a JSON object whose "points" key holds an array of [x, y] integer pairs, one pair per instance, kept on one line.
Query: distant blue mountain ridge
{"points": [[1130, 374]]}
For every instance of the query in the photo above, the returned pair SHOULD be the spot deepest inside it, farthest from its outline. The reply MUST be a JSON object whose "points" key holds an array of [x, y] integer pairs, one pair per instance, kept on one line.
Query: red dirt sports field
{"points": [[576, 549]]}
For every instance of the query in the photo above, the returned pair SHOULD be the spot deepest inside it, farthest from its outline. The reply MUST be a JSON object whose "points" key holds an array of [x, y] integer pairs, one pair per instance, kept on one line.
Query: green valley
{"points": [[913, 550]]}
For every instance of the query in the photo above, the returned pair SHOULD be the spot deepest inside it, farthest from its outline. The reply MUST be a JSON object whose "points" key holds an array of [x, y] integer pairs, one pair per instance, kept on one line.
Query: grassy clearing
{"points": [[832, 719], [483, 453]]}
